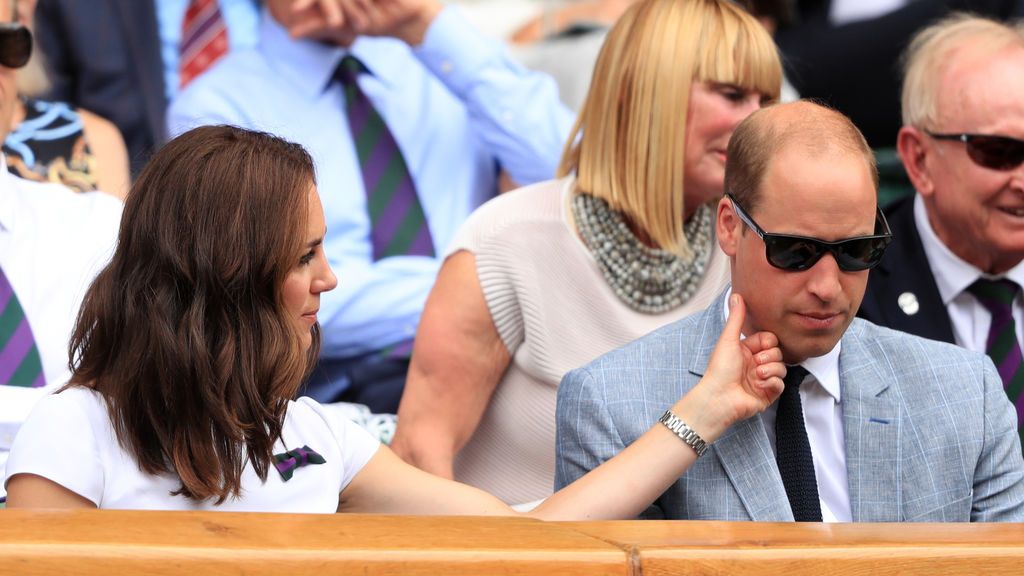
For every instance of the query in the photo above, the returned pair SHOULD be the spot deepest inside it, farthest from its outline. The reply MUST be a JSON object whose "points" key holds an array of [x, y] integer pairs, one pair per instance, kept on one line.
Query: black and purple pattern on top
{"points": [[287, 462]]}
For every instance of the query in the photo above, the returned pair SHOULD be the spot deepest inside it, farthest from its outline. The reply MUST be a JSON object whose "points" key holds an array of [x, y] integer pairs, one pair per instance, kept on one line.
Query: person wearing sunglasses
{"points": [[873, 425], [52, 243], [955, 271], [53, 140]]}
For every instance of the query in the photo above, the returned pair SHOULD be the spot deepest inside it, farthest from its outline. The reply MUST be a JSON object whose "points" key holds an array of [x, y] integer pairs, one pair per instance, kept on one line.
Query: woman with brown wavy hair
{"points": [[193, 341]]}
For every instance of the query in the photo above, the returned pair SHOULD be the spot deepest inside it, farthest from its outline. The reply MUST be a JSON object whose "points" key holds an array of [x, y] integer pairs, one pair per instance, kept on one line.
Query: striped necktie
{"points": [[204, 39], [793, 450], [19, 356], [1002, 345], [397, 222]]}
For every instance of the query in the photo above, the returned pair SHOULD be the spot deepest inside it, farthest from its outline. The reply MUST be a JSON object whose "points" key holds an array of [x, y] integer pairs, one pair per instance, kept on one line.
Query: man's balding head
{"points": [[798, 170], [815, 129]]}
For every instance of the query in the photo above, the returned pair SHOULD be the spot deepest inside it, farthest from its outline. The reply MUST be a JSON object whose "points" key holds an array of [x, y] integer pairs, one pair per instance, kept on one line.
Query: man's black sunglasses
{"points": [[989, 151], [796, 253], [15, 44]]}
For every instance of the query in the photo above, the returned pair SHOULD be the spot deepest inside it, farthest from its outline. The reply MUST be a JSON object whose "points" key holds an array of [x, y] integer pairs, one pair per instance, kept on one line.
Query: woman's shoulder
{"points": [[515, 215], [309, 423], [71, 408], [310, 419], [537, 203], [74, 399]]}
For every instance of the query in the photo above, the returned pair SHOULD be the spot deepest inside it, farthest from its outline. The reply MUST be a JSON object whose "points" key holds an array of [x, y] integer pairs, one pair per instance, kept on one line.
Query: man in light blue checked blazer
{"points": [[874, 425]]}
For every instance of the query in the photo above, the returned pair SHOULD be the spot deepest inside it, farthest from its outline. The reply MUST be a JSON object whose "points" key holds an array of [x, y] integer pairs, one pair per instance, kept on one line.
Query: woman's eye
{"points": [[307, 258], [734, 95]]}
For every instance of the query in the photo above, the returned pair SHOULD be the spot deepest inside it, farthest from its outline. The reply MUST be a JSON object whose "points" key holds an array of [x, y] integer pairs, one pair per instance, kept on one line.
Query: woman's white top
{"points": [[554, 312], [69, 439]]}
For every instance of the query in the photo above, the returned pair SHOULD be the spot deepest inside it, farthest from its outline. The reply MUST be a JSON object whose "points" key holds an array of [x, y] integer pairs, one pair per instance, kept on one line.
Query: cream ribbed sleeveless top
{"points": [[554, 312]]}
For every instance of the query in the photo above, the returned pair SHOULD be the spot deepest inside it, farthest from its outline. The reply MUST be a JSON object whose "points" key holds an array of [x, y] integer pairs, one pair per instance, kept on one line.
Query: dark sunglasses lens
{"points": [[996, 152], [15, 45], [791, 253], [861, 254]]}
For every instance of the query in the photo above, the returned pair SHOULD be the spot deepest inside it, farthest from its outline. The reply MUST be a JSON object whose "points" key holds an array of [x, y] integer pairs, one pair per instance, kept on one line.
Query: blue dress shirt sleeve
{"points": [[517, 112]]}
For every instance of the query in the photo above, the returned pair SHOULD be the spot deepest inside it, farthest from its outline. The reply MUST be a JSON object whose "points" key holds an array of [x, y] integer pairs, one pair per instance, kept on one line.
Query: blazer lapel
{"points": [[743, 450], [871, 424], [904, 273]]}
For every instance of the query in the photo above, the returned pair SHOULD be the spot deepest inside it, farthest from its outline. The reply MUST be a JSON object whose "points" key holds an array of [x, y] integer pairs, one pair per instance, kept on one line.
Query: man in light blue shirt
{"points": [[241, 17], [120, 59], [461, 112]]}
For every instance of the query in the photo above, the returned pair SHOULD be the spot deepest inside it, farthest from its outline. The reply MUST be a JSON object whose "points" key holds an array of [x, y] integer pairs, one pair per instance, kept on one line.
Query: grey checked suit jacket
{"points": [[930, 433]]}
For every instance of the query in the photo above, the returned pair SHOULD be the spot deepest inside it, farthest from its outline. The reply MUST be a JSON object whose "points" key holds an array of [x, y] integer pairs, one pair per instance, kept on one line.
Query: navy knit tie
{"points": [[793, 450]]}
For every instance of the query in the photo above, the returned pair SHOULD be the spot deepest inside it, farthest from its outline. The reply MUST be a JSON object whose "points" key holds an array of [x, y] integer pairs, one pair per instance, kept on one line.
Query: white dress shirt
{"points": [[970, 319], [820, 397], [52, 244], [849, 11]]}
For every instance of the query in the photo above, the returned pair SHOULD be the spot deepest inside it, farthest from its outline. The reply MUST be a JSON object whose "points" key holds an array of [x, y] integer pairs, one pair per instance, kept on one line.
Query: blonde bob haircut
{"points": [[930, 51], [628, 144]]}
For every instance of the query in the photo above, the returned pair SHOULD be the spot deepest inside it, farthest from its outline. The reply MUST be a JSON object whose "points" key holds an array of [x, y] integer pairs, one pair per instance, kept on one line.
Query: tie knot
{"points": [[794, 377], [995, 294], [349, 69]]}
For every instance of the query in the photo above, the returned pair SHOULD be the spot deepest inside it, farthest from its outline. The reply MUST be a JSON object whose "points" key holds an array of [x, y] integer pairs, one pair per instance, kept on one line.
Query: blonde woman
{"points": [[551, 276]]}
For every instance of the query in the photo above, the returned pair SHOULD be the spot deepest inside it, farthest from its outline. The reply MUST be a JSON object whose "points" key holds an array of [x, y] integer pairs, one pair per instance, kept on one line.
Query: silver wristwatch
{"points": [[685, 433]]}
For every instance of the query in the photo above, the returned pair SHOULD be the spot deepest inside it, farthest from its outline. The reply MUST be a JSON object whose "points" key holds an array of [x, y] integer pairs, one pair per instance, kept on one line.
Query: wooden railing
{"points": [[115, 543]]}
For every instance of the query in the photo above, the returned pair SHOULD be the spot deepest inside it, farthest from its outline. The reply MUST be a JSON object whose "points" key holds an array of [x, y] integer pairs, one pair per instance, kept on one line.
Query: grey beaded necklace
{"points": [[648, 280]]}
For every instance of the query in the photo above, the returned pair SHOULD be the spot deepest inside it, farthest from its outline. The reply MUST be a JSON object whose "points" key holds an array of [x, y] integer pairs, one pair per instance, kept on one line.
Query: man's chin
{"points": [[796, 350]]}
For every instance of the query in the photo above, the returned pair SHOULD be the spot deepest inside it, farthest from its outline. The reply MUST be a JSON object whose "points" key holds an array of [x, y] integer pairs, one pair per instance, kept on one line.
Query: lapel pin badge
{"points": [[908, 303]]}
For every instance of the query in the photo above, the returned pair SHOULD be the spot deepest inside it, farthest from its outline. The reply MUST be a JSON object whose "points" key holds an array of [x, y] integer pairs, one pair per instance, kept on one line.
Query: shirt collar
{"points": [[825, 368], [309, 65], [952, 274], [7, 196]]}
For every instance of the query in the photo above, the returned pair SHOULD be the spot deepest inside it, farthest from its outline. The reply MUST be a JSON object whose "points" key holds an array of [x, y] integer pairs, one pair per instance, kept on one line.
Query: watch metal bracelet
{"points": [[686, 434]]}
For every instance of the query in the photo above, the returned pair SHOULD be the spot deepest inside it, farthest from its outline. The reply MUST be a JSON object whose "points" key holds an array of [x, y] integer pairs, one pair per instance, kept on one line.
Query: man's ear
{"points": [[914, 152], [728, 227]]}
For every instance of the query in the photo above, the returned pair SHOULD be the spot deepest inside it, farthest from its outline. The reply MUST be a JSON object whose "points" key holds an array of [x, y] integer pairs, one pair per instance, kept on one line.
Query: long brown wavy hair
{"points": [[185, 332]]}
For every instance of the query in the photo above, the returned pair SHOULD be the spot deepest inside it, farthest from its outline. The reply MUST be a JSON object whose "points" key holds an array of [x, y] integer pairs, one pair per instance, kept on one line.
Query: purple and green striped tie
{"points": [[1002, 345], [19, 356], [397, 223]]}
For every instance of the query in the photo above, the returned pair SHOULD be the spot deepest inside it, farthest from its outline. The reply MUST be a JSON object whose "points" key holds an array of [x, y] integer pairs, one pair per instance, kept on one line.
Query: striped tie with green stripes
{"points": [[1002, 345], [19, 357], [397, 223]]}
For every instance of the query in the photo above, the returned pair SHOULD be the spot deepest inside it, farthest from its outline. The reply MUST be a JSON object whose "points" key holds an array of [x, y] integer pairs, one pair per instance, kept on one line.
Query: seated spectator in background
{"points": [[564, 41], [955, 270], [546, 279], [55, 142], [846, 52], [886, 426], [193, 341], [52, 243], [408, 133], [125, 60]]}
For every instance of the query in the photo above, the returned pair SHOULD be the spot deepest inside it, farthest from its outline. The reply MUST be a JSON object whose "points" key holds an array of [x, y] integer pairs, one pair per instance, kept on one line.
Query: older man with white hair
{"points": [[955, 271]]}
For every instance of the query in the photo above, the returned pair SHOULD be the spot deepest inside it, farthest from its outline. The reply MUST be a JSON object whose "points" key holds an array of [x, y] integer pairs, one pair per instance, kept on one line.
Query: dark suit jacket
{"points": [[905, 269], [855, 66], [104, 56]]}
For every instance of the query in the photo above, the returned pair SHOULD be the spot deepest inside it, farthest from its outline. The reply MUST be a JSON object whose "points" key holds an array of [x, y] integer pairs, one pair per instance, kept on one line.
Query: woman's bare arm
{"points": [[457, 362]]}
